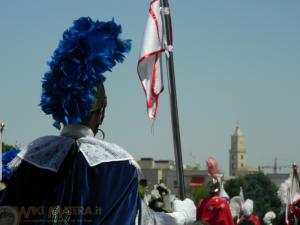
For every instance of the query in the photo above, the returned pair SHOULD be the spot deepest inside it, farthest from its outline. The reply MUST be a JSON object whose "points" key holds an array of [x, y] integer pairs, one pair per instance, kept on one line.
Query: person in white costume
{"points": [[289, 195], [248, 217]]}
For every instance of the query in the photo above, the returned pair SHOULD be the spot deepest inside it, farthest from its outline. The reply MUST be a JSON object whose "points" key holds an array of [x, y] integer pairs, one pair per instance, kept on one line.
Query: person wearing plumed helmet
{"points": [[75, 178], [214, 210], [248, 218]]}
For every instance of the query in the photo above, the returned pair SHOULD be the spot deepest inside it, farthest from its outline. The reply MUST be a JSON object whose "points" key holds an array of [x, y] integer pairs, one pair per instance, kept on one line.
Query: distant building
{"points": [[164, 171], [238, 155], [278, 178], [157, 171]]}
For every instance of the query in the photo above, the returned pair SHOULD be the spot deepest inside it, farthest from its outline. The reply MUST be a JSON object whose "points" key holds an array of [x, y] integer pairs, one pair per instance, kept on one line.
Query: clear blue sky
{"points": [[234, 60]]}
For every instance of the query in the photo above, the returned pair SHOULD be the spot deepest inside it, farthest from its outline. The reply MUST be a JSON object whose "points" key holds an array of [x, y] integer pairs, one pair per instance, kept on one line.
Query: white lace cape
{"points": [[48, 152]]}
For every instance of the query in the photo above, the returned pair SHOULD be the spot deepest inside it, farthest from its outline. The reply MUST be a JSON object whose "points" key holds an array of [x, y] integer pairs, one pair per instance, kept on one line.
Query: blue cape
{"points": [[76, 194]]}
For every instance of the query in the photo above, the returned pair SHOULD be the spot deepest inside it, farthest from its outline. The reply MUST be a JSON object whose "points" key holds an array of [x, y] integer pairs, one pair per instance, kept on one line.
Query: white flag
{"points": [[149, 68], [242, 198]]}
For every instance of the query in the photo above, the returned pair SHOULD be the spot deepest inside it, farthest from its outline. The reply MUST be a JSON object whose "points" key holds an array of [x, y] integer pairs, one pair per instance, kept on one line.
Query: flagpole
{"points": [[173, 98]]}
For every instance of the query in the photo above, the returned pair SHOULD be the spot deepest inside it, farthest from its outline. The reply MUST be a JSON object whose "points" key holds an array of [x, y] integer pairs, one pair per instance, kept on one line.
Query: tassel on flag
{"points": [[149, 68]]}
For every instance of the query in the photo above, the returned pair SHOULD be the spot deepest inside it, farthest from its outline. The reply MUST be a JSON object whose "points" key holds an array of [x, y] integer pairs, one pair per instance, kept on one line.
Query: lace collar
{"points": [[48, 152]]}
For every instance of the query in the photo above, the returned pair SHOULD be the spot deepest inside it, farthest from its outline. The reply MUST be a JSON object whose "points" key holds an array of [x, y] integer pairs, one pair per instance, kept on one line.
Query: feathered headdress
{"points": [[87, 50], [235, 206], [212, 166], [215, 181], [7, 157], [269, 216], [248, 207]]}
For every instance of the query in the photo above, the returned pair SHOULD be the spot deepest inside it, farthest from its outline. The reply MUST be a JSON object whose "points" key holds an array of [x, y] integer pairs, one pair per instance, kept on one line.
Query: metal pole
{"points": [[295, 172], [2, 125], [173, 99]]}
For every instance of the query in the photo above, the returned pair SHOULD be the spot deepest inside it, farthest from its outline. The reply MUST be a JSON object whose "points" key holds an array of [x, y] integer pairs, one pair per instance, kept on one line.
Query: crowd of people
{"points": [[74, 178], [219, 209]]}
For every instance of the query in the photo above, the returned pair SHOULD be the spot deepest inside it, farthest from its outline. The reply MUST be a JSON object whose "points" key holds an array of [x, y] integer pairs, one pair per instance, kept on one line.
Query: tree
{"points": [[6, 147], [198, 193], [259, 188]]}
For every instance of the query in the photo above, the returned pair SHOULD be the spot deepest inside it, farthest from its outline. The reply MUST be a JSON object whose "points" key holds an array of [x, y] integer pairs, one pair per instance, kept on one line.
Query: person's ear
{"points": [[97, 117], [100, 116]]}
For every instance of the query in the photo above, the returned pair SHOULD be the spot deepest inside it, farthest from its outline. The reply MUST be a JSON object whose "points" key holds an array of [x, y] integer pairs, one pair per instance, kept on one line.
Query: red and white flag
{"points": [[149, 68], [295, 188], [293, 192]]}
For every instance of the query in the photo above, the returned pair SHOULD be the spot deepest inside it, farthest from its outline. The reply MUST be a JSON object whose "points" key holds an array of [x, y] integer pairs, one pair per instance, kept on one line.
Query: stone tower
{"points": [[237, 153]]}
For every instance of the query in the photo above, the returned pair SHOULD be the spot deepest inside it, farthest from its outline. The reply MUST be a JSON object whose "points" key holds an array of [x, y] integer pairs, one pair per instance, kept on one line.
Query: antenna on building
{"points": [[275, 166]]}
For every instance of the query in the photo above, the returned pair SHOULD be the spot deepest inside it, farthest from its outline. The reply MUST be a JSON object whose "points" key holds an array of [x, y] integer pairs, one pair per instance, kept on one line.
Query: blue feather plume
{"points": [[7, 157], [87, 50]]}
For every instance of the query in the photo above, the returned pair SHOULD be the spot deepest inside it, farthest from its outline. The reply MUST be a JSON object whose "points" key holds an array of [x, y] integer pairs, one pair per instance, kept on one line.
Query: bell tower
{"points": [[237, 153]]}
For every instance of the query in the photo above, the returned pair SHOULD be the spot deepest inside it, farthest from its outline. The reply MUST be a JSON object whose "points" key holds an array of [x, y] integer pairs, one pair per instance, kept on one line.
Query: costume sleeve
{"points": [[184, 213], [28, 186], [200, 209], [242, 218], [255, 220], [225, 217], [113, 188]]}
